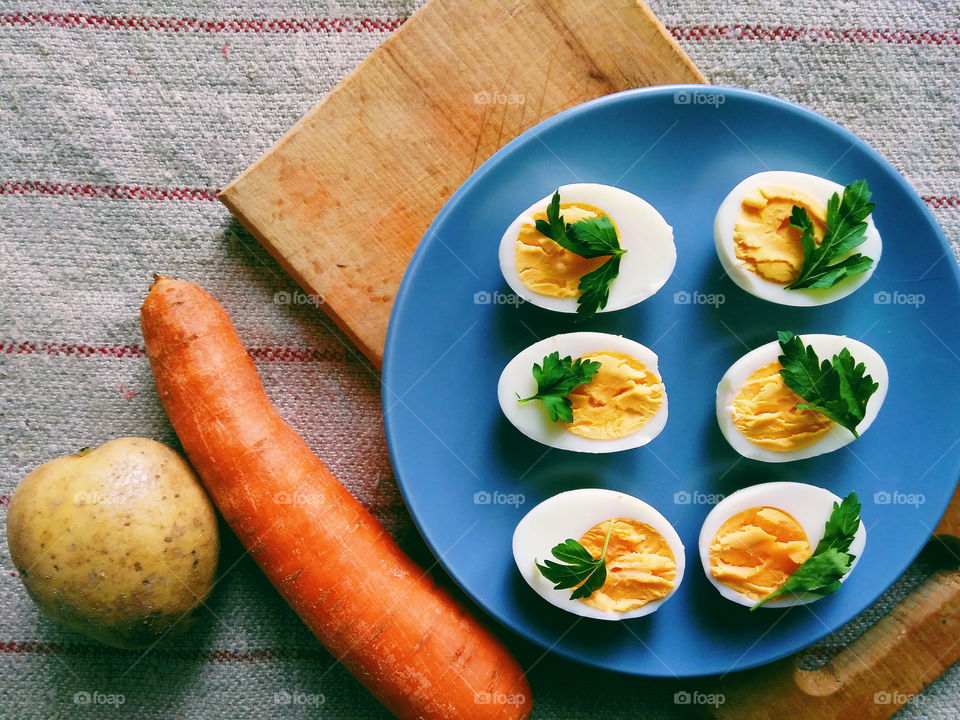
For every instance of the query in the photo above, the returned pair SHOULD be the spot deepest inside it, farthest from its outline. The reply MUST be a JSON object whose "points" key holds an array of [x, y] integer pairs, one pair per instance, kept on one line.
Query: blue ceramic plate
{"points": [[468, 476]]}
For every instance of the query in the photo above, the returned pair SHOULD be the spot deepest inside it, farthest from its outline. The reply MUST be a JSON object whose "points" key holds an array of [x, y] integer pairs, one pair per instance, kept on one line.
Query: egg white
{"points": [[836, 436], [809, 505], [644, 234], [819, 188], [569, 515], [532, 419]]}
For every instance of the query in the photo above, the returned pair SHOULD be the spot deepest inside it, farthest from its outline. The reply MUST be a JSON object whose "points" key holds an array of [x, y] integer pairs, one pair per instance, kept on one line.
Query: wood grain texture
{"points": [[345, 196]]}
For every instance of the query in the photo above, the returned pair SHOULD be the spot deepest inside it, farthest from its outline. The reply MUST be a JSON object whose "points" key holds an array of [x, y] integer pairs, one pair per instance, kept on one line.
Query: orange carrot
{"points": [[400, 635]]}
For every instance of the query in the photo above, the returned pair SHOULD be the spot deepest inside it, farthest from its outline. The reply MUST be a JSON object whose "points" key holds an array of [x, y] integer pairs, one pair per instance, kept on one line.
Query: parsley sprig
{"points": [[588, 238], [823, 264], [556, 379], [820, 573], [577, 567], [837, 388]]}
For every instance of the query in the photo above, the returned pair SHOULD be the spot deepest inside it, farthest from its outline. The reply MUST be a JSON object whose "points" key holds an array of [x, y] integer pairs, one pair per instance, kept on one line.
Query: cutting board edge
{"points": [[672, 43], [375, 358]]}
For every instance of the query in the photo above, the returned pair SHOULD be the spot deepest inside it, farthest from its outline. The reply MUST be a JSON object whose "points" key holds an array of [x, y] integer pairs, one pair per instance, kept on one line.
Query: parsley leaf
{"points": [[836, 388], [841, 526], [595, 288], [820, 573], [846, 227], [554, 227], [595, 237], [581, 570], [588, 238], [556, 379]]}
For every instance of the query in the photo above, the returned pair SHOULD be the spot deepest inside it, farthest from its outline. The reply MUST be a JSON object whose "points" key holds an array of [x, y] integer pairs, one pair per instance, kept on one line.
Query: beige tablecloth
{"points": [[119, 121]]}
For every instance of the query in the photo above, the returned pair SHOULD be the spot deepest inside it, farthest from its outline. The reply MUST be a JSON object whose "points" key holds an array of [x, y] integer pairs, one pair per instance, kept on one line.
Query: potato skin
{"points": [[119, 542]]}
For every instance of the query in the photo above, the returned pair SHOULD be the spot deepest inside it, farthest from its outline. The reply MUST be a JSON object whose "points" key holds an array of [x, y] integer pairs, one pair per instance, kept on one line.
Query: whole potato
{"points": [[119, 542]]}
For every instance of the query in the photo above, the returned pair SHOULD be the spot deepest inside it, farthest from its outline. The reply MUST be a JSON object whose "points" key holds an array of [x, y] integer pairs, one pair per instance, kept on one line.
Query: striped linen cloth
{"points": [[119, 122]]}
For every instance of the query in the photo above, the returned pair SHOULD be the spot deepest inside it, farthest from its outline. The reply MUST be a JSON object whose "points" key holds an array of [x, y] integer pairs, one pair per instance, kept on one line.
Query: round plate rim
{"points": [[488, 166]]}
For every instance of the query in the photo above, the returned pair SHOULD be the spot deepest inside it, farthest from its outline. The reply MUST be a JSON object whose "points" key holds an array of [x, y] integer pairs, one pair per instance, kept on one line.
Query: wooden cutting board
{"points": [[344, 197]]}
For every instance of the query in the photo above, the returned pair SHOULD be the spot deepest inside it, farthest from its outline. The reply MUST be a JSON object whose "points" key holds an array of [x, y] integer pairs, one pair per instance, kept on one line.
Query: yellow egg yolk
{"points": [[765, 412], [641, 567], [547, 268], [755, 551], [765, 241], [621, 398]]}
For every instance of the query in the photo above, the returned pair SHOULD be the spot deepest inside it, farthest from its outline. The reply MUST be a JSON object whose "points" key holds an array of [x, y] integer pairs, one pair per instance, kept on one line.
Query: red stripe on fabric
{"points": [[939, 202], [197, 25], [71, 349], [276, 354], [264, 354], [135, 192], [106, 192], [36, 647], [17, 648], [890, 36], [4, 500], [257, 654]]}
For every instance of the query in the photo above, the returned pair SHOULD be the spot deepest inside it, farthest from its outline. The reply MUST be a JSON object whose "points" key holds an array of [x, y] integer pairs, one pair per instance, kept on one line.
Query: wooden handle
{"points": [[877, 674]]}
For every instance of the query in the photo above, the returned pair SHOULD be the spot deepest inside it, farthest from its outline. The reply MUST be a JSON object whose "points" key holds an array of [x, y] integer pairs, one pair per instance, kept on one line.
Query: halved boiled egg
{"points": [[756, 538], [757, 412], [761, 250], [644, 558], [542, 272], [623, 406]]}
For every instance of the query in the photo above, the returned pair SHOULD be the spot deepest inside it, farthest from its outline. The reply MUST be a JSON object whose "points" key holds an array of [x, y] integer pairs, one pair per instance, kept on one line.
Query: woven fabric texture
{"points": [[119, 122]]}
